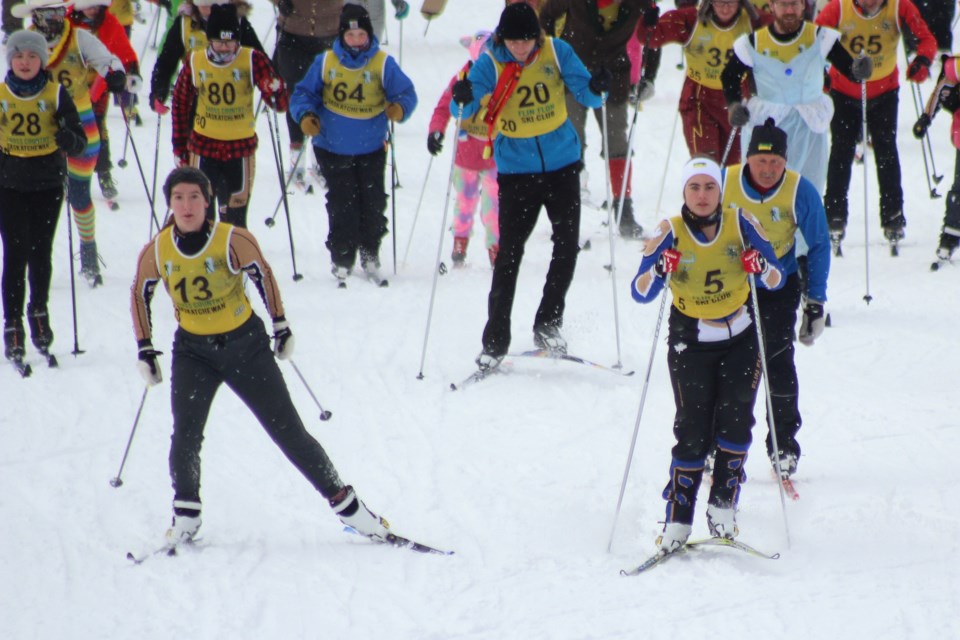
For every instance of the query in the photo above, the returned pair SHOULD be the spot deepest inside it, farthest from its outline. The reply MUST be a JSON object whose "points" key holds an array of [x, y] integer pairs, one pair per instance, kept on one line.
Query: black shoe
{"points": [[13, 342], [107, 186], [629, 229], [39, 321]]}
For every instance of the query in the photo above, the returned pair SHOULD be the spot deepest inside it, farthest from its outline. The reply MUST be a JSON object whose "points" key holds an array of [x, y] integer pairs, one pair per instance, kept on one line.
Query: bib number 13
{"points": [[200, 286]]}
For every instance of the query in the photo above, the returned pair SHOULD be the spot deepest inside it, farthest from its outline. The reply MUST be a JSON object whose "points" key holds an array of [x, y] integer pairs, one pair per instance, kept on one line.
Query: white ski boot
{"points": [[722, 522], [353, 513], [183, 529], [674, 536]]}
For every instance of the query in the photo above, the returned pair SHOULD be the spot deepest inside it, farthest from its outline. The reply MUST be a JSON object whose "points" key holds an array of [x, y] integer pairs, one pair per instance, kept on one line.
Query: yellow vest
{"points": [[123, 11], [761, 5], [710, 282], [207, 294], [70, 70], [878, 36], [354, 93], [775, 212], [194, 38], [28, 126], [710, 47], [785, 52], [224, 96], [537, 105]]}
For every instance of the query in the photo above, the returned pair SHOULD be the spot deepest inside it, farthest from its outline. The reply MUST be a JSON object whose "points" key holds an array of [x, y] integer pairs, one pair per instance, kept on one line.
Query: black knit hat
{"points": [[355, 16], [223, 23], [768, 138], [518, 22]]}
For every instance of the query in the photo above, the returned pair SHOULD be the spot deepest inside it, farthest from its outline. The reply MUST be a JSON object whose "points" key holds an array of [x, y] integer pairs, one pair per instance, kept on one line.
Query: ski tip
{"points": [[935, 266], [341, 285], [453, 386], [384, 284]]}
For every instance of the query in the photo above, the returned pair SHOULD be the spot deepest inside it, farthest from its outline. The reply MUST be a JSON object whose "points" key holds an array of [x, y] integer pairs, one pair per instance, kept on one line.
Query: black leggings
{"points": [[292, 57], [28, 223], [242, 359]]}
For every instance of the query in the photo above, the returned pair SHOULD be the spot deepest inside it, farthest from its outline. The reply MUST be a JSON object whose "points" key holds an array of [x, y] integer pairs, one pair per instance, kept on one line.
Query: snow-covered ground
{"points": [[519, 475]]}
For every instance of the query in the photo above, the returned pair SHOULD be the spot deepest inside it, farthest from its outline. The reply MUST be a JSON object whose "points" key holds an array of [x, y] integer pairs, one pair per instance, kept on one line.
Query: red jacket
{"points": [[907, 14], [112, 35]]}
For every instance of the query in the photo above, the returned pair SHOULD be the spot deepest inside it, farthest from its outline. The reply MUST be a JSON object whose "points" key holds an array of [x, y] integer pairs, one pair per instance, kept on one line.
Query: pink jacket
{"points": [[469, 149]]}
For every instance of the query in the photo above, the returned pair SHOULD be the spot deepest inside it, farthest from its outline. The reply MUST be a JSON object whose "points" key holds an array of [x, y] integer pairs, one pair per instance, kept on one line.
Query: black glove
{"points": [[282, 339], [738, 114], [116, 81], [813, 322], [69, 142], [862, 68], [463, 92], [644, 90], [435, 143], [919, 69], [600, 81], [921, 126], [148, 366], [651, 16]]}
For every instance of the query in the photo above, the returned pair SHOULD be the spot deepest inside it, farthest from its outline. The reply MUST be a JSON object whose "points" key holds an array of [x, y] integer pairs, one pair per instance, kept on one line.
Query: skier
{"points": [[707, 35], [785, 60], [474, 176], [345, 103], [213, 112], [785, 203], [946, 95], [73, 54], [39, 122], [93, 16], [305, 29], [871, 27], [599, 31], [537, 161], [186, 35], [707, 252], [219, 340]]}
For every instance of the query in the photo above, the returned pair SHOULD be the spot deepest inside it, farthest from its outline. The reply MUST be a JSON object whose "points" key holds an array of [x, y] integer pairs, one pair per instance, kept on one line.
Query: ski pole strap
{"points": [[506, 85]]}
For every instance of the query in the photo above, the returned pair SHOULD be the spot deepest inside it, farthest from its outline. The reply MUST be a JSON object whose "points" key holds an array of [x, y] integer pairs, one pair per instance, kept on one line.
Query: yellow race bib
{"points": [[224, 96], [207, 294], [28, 126], [69, 69], [710, 282], [537, 105], [785, 51], [354, 93], [710, 47], [776, 212], [877, 36]]}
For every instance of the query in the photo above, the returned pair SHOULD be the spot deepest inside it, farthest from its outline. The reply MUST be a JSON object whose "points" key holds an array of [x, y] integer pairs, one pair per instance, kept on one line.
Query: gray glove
{"points": [[645, 90], [738, 114], [862, 68], [813, 322]]}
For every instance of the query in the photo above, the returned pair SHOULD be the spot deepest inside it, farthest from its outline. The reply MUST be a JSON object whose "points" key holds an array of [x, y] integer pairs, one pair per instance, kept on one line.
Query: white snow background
{"points": [[519, 475]]}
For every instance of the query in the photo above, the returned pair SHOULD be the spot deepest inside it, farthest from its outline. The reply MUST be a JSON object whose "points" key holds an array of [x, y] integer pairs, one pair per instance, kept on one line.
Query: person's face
{"points": [[25, 65], [520, 49], [356, 38], [189, 206], [870, 6], [702, 195], [223, 47], [787, 14], [724, 10], [766, 169]]}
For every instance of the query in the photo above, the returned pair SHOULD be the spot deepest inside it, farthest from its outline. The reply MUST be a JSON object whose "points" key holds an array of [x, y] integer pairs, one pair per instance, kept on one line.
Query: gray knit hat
{"points": [[27, 41]]}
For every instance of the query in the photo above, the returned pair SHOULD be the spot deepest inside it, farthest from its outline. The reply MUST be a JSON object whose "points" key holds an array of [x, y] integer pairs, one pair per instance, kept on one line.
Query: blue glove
{"points": [[402, 7]]}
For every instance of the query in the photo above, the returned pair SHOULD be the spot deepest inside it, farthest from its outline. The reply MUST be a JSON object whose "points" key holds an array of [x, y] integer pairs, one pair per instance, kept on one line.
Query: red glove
{"points": [[919, 69], [753, 261], [667, 262], [159, 107]]}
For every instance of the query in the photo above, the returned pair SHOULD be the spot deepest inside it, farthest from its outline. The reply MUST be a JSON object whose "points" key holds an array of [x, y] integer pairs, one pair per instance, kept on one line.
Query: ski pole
{"points": [[726, 150], [769, 397], [143, 177], [116, 481], [156, 162], [923, 148], [272, 220], [324, 414], [866, 222], [443, 231], [278, 159], [918, 100], [154, 26], [73, 284], [394, 183], [643, 401], [613, 261], [416, 213], [666, 164]]}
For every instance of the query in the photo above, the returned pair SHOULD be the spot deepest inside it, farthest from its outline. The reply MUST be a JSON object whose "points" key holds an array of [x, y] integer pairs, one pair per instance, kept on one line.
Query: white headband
{"points": [[701, 167]]}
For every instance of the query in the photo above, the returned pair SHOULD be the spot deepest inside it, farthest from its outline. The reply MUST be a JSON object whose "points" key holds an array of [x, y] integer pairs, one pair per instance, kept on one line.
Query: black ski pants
{"points": [[292, 57], [951, 216], [355, 204], [244, 361], [232, 182], [778, 314], [845, 131], [521, 197], [28, 223]]}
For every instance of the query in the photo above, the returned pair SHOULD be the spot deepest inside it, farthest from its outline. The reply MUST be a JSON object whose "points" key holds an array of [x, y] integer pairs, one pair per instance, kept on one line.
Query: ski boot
{"points": [[459, 255], [893, 225], [836, 237], [370, 264], [341, 274], [948, 244], [108, 188], [548, 337], [722, 521], [488, 362], [40, 333], [183, 529], [90, 264], [14, 339], [788, 463], [629, 228], [355, 514], [673, 537]]}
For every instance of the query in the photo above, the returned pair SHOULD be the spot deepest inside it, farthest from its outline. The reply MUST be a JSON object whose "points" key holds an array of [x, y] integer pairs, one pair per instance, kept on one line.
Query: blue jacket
{"points": [[812, 225], [750, 237], [341, 134], [539, 154]]}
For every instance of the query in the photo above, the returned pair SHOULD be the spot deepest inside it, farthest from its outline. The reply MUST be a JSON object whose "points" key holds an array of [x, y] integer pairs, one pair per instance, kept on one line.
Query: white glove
{"points": [[282, 340], [149, 366]]}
